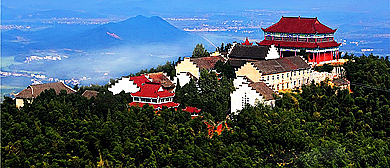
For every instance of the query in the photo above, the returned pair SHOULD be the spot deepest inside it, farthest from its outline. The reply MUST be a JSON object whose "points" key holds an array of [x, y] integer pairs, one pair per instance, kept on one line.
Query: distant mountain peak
{"points": [[135, 30]]}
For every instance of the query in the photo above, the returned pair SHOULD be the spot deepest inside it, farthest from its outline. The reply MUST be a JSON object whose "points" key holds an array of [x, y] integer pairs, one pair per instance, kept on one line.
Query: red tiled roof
{"points": [[192, 109], [328, 44], [33, 91], [149, 89], [287, 44], [206, 62], [139, 80], [246, 42], [155, 106], [299, 25], [298, 44]]}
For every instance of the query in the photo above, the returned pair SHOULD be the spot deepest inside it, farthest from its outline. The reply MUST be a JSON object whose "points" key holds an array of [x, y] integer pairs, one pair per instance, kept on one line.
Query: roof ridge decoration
{"points": [[247, 42]]}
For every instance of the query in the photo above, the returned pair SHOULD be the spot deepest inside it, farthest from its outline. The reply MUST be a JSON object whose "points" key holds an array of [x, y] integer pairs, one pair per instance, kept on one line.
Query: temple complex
{"points": [[292, 34]]}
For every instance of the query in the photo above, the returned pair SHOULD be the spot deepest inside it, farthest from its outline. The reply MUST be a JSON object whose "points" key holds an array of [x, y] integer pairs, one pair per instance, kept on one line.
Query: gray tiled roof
{"points": [[280, 65]]}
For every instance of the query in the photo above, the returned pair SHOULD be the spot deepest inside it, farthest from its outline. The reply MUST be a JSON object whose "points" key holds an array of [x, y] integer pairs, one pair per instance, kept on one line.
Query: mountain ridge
{"points": [[133, 31]]}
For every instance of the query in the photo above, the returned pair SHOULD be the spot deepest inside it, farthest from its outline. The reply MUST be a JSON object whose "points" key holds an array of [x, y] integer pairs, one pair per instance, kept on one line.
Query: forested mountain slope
{"points": [[320, 127]]}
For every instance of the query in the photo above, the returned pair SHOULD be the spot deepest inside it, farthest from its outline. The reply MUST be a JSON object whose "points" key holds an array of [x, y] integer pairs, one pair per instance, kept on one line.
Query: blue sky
{"points": [[203, 5]]}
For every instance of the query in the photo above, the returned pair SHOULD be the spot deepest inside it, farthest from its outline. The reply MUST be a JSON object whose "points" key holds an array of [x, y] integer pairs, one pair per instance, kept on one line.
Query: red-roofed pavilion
{"points": [[293, 34], [193, 110], [154, 95]]}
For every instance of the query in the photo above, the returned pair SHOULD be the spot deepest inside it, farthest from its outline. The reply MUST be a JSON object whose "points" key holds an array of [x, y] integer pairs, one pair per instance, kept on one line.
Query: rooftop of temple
{"points": [[299, 25]]}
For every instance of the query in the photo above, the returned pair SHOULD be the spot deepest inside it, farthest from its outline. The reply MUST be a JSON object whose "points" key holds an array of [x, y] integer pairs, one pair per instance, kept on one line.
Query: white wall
{"points": [[272, 53], [124, 84], [239, 81], [238, 96], [183, 78]]}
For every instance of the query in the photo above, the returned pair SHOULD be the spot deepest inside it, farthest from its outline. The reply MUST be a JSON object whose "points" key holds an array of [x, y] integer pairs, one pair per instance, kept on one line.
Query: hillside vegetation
{"points": [[319, 127]]}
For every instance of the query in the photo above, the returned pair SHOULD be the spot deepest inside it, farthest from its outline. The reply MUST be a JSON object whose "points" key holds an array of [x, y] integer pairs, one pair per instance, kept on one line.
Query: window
{"points": [[287, 85], [143, 99], [299, 72], [136, 98], [302, 39], [311, 40], [162, 100], [277, 76], [273, 77], [287, 75], [277, 38], [299, 82], [268, 38], [282, 76], [295, 73], [148, 100], [245, 100], [267, 78], [295, 83], [289, 39], [154, 100]]}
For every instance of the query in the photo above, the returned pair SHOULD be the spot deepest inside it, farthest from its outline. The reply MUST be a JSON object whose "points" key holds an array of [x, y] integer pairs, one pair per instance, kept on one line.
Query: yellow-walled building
{"points": [[279, 74], [194, 67]]}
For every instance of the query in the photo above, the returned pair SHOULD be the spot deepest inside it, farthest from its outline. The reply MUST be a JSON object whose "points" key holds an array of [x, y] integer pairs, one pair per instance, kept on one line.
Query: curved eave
{"points": [[330, 32], [299, 44]]}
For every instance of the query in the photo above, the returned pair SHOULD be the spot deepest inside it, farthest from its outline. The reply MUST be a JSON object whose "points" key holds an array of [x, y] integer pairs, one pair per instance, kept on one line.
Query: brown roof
{"points": [[206, 62], [263, 89], [246, 78], [280, 65], [33, 91], [90, 93], [190, 75], [162, 79], [340, 82], [249, 52]]}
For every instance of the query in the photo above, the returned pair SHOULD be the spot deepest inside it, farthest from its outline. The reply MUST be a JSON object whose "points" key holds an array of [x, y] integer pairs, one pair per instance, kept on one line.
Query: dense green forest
{"points": [[318, 127]]}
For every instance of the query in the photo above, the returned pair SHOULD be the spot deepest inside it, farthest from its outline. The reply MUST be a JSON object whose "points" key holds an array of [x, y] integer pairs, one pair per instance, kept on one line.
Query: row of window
{"points": [[294, 84], [245, 100], [282, 75], [151, 100], [310, 40]]}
